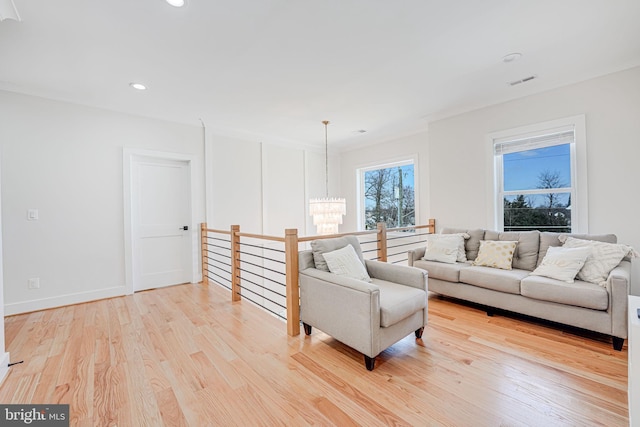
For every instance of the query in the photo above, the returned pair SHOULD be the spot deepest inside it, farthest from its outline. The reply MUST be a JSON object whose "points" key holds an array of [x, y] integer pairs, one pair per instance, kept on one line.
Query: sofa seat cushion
{"points": [[578, 293], [493, 278], [397, 302], [441, 270]]}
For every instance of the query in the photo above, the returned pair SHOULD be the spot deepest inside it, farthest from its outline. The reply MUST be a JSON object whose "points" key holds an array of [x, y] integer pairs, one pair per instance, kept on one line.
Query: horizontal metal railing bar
{"points": [[220, 284], [212, 245], [264, 277], [405, 244], [219, 239], [262, 306], [261, 237], [262, 296], [219, 268], [217, 254], [225, 263], [369, 241], [262, 267], [396, 254], [279, 261], [402, 260], [369, 250], [266, 248]]}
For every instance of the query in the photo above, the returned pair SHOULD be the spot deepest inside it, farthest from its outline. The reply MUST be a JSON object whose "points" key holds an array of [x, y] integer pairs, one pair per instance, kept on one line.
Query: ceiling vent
{"points": [[524, 80]]}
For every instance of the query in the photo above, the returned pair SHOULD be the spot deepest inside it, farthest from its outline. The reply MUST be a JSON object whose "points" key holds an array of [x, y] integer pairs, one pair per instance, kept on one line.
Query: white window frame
{"points": [[578, 152], [361, 182]]}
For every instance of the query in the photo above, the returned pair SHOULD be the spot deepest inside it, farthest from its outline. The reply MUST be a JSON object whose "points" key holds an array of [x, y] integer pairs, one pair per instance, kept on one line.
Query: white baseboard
{"points": [[4, 366], [62, 300]]}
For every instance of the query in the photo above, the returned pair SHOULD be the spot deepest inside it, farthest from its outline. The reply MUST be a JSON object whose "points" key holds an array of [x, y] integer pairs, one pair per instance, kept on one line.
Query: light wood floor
{"points": [[185, 355]]}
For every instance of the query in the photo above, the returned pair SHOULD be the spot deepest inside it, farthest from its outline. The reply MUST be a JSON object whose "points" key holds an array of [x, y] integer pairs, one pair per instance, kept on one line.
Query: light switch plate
{"points": [[32, 214]]}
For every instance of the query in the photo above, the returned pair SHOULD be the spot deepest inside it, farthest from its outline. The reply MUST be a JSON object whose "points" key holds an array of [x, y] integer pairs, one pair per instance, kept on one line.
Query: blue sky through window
{"points": [[522, 169]]}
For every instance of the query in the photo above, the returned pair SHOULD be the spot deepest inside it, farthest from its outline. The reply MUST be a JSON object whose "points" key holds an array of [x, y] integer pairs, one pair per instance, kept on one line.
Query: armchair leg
{"points": [[307, 328], [419, 332], [618, 343], [369, 362]]}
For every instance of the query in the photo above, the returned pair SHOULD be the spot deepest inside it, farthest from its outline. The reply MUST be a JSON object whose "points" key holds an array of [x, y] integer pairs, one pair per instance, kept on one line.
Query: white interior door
{"points": [[161, 222]]}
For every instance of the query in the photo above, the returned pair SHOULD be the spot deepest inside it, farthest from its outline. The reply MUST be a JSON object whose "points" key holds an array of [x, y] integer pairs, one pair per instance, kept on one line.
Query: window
{"points": [[537, 179], [388, 195]]}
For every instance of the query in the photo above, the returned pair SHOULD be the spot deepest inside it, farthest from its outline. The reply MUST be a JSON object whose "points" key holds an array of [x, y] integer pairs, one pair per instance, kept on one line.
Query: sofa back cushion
{"points": [[548, 238], [472, 244], [526, 254]]}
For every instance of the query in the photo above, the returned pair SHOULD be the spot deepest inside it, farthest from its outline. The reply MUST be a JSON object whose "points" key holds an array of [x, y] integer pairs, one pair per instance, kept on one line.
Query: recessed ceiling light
{"points": [[138, 86], [511, 57], [176, 3]]}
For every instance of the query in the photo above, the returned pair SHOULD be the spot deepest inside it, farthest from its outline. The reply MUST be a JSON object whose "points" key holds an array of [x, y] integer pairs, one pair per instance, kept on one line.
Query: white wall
{"points": [[409, 147], [458, 166], [66, 161], [264, 188]]}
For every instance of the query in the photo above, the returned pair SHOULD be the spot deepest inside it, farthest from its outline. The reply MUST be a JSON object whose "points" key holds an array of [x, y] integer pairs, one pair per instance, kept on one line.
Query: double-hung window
{"points": [[537, 177]]}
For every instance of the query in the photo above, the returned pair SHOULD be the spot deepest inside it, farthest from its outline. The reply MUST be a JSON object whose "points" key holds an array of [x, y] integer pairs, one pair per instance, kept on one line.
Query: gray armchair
{"points": [[369, 317]]}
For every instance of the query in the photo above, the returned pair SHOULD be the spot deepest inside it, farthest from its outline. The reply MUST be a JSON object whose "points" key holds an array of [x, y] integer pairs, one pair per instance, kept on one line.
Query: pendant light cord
{"points": [[326, 160]]}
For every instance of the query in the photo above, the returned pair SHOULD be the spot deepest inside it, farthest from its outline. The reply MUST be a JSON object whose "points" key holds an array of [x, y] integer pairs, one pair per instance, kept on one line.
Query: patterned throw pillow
{"points": [[457, 237], [345, 262], [604, 257], [496, 254], [562, 263]]}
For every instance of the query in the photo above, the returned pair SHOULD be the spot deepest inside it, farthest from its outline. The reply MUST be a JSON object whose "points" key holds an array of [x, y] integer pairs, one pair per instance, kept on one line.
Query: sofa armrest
{"points": [[347, 309], [408, 276], [415, 255], [618, 285]]}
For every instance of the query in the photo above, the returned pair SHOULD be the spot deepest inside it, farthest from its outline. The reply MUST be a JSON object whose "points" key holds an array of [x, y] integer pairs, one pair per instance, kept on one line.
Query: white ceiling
{"points": [[272, 70]]}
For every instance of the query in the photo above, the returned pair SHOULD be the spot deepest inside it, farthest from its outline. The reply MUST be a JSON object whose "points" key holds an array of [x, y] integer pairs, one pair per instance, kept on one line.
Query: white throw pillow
{"points": [[345, 262], [604, 257], [562, 263], [459, 238], [496, 254], [443, 249]]}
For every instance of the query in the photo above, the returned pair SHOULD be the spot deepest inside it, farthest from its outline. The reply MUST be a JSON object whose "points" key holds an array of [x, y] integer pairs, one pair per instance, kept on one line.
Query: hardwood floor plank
{"points": [[186, 356]]}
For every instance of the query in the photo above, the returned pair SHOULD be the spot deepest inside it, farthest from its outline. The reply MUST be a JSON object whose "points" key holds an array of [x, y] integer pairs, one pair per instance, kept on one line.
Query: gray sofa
{"points": [[580, 304]]}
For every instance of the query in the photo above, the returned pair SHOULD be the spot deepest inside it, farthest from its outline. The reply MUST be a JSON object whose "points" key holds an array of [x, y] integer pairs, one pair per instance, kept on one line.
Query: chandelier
{"points": [[327, 212], [8, 10]]}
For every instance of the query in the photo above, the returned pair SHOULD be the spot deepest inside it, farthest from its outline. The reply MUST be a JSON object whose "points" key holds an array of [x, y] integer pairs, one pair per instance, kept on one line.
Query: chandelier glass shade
{"points": [[327, 212]]}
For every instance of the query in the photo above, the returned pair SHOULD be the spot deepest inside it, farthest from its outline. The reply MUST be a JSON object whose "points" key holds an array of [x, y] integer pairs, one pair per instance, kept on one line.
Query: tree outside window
{"points": [[389, 196]]}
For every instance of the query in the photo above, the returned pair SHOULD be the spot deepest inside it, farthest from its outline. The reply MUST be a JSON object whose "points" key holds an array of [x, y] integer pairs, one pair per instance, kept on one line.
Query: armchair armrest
{"points": [[347, 309], [408, 276]]}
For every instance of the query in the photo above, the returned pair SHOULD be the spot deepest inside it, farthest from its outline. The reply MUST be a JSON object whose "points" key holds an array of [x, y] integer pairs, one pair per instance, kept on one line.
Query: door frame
{"points": [[130, 157]]}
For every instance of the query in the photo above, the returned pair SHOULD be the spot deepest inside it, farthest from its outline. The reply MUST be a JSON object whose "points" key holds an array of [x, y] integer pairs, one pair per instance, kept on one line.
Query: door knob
{"points": [[185, 228]]}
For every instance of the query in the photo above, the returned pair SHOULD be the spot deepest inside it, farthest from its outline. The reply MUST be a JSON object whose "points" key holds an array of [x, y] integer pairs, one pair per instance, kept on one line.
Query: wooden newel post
{"points": [[203, 250], [382, 242], [293, 291], [432, 226], [235, 263]]}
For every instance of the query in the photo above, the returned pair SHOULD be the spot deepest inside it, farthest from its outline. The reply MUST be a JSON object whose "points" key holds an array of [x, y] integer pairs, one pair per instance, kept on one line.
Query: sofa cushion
{"points": [[548, 238], [320, 246], [397, 302], [472, 244], [526, 254], [496, 254], [578, 293], [493, 278], [440, 270]]}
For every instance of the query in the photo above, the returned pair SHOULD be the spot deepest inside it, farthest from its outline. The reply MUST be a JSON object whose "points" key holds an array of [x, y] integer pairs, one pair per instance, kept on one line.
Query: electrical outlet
{"points": [[33, 283]]}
